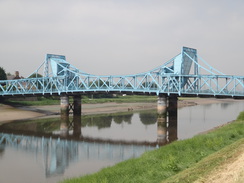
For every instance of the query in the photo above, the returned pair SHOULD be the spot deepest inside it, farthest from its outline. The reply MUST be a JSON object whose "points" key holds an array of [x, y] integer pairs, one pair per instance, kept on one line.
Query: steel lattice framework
{"points": [[186, 74]]}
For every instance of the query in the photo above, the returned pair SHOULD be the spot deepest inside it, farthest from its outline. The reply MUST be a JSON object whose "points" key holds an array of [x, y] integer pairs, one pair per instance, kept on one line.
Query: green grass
{"points": [[86, 100], [201, 170], [31, 103], [46, 125], [167, 161], [122, 99]]}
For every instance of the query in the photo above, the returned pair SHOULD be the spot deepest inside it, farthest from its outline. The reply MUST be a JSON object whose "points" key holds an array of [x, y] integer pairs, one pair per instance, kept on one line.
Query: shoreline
{"points": [[10, 113]]}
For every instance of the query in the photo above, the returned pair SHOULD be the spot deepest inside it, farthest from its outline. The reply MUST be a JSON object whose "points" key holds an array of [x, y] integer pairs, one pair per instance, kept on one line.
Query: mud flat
{"points": [[10, 113]]}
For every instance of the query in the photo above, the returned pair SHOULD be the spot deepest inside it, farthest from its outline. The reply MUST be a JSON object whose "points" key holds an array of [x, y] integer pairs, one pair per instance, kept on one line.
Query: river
{"points": [[49, 150]]}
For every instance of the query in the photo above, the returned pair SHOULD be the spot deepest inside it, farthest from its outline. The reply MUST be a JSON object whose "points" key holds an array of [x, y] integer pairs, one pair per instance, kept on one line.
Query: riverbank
{"points": [[10, 113], [203, 158]]}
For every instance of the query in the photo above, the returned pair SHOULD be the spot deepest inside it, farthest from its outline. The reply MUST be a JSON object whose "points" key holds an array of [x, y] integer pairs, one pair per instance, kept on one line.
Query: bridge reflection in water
{"points": [[67, 145], [59, 153]]}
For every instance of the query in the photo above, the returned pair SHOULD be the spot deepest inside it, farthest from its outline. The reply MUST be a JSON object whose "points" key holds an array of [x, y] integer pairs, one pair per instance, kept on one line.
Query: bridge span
{"points": [[186, 75]]}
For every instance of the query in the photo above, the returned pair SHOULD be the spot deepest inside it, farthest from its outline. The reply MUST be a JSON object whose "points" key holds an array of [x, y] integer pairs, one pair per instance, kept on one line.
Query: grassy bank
{"points": [[172, 163], [200, 171], [85, 100]]}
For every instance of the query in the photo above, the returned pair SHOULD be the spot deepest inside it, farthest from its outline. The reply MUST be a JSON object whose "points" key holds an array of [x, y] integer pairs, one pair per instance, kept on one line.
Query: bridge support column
{"points": [[172, 108], [162, 104], [161, 121], [64, 105], [172, 118], [64, 114], [167, 119], [77, 105], [77, 116]]}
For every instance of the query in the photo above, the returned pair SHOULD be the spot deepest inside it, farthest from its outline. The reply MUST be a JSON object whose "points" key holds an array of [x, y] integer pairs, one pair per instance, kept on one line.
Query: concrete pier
{"points": [[167, 119], [172, 108], [162, 104], [64, 105], [77, 105], [65, 108]]}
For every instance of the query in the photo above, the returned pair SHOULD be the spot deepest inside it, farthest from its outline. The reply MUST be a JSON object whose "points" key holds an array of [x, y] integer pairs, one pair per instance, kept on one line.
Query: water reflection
{"points": [[1, 150], [57, 154], [100, 122], [75, 127], [81, 145], [145, 127], [60, 143], [148, 118]]}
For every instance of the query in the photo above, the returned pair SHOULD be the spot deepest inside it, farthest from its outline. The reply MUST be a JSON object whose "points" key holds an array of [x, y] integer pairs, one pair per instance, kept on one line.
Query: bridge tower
{"points": [[57, 66], [181, 65]]}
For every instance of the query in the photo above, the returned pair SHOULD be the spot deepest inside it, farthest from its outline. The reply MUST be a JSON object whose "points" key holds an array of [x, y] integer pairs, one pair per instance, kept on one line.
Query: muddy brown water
{"points": [[51, 150]]}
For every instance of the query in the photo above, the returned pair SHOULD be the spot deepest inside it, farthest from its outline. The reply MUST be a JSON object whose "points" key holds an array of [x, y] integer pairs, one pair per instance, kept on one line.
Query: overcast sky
{"points": [[108, 37]]}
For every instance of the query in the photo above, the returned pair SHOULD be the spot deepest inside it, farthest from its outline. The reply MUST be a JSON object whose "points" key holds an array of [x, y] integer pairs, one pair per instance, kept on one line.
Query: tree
{"points": [[3, 75], [35, 75]]}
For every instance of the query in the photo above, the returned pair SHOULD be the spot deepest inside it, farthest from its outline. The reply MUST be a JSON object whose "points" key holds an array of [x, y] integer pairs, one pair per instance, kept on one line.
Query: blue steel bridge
{"points": [[186, 74]]}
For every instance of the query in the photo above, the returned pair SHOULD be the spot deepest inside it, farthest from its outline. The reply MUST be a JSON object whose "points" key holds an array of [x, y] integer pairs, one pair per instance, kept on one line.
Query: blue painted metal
{"points": [[186, 74]]}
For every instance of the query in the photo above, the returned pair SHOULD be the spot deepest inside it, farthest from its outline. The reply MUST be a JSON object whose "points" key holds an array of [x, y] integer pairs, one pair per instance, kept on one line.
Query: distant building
{"points": [[16, 76]]}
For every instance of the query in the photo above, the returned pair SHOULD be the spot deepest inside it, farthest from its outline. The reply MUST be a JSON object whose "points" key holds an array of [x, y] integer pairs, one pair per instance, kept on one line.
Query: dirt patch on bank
{"points": [[9, 113], [232, 171]]}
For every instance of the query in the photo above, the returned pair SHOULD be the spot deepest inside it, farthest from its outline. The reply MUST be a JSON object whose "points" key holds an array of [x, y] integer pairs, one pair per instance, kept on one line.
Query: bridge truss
{"points": [[186, 74]]}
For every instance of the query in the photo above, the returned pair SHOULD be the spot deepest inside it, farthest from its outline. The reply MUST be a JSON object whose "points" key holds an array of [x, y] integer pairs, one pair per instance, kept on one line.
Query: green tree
{"points": [[35, 75], [3, 75]]}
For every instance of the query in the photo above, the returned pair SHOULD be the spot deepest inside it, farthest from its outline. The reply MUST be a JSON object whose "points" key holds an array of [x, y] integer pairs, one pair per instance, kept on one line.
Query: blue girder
{"points": [[186, 74]]}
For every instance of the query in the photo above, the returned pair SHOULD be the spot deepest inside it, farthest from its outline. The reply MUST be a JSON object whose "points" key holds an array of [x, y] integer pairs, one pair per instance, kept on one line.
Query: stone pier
{"points": [[167, 105], [172, 108], [162, 104], [172, 118], [65, 109], [167, 118], [64, 105], [77, 105]]}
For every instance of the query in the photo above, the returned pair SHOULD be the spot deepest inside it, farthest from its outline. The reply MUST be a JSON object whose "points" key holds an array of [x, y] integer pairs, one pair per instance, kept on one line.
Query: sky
{"points": [[118, 37]]}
